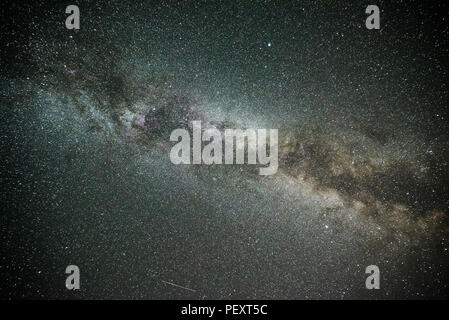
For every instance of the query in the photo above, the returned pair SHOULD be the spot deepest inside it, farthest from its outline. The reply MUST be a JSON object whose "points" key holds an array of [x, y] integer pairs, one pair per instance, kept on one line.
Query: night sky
{"points": [[87, 180]]}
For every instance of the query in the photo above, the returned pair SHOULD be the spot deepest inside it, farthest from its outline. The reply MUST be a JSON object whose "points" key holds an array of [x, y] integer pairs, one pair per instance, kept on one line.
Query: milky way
{"points": [[363, 151]]}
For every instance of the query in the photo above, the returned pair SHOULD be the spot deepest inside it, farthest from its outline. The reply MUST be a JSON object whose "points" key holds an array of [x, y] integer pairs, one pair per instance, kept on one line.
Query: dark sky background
{"points": [[363, 120]]}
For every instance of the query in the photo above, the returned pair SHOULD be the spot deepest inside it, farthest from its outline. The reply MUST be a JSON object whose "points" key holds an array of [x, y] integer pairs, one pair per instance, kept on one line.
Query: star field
{"points": [[363, 150]]}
